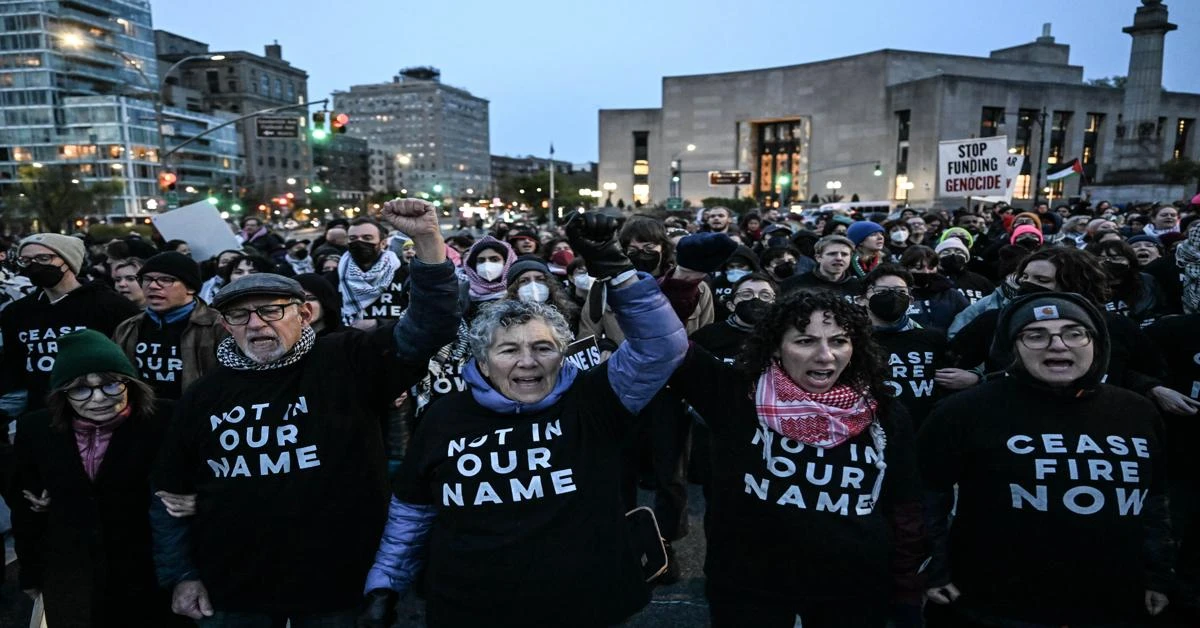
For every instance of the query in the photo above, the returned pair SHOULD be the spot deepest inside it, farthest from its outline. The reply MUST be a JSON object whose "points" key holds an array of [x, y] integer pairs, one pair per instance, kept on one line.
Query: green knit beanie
{"points": [[87, 351]]}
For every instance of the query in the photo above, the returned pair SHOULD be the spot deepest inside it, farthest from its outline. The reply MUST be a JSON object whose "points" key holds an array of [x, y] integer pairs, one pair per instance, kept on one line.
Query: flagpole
{"points": [[551, 212]]}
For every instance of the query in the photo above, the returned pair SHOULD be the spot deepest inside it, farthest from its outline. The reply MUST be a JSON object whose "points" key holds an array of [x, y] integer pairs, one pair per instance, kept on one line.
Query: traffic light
{"points": [[167, 180], [339, 122], [318, 128], [784, 180], [437, 188]]}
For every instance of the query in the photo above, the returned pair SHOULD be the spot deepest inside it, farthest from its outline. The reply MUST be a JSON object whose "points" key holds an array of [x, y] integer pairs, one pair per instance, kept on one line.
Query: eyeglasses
{"points": [[43, 258], [1073, 338], [83, 393], [162, 281], [765, 295], [268, 313]]}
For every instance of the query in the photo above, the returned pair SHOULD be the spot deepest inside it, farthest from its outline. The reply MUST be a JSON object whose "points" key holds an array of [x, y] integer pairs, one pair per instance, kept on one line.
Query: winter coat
{"points": [[197, 346], [90, 552], [692, 302], [935, 306], [563, 541]]}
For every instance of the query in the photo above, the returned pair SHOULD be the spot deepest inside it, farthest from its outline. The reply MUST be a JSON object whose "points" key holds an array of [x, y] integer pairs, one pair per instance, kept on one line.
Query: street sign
{"points": [[172, 199], [728, 177], [277, 127], [674, 202]]}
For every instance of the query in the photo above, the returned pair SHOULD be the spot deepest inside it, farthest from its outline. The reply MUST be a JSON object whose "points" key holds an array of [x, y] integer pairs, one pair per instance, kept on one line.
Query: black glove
{"points": [[704, 252], [379, 609], [594, 238]]}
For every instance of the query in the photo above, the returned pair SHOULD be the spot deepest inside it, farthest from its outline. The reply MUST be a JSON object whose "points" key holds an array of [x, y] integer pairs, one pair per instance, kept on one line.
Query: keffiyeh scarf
{"points": [[361, 288], [1187, 256], [230, 355], [819, 419]]}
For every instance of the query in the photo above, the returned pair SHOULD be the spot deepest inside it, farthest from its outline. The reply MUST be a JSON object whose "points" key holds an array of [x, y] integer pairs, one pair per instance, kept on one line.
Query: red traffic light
{"points": [[339, 122], [167, 179]]}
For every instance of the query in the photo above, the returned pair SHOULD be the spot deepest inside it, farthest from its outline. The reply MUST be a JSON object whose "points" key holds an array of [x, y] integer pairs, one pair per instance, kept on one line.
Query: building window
{"points": [[1060, 123], [264, 85], [903, 122], [1024, 136], [213, 77], [779, 150], [232, 85], [903, 185], [1183, 131], [278, 89], [990, 121], [291, 90], [1091, 143], [641, 161], [1024, 184]]}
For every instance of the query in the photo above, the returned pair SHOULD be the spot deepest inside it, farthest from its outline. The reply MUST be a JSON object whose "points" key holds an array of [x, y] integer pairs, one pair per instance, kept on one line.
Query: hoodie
{"points": [[515, 508], [487, 289]]}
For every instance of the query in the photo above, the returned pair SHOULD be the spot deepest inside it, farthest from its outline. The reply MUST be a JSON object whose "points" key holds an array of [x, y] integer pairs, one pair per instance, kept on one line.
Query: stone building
{"points": [[869, 124]]}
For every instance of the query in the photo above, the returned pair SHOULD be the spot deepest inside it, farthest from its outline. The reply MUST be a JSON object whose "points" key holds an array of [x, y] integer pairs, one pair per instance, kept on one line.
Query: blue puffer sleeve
{"points": [[172, 546], [402, 548], [431, 320], [655, 342]]}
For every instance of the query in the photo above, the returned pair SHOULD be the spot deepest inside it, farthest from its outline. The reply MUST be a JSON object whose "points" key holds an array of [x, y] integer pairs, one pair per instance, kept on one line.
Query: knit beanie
{"points": [[524, 264], [1037, 220], [953, 243], [67, 247], [87, 351], [1026, 230], [859, 231], [960, 233], [175, 264], [1142, 237]]}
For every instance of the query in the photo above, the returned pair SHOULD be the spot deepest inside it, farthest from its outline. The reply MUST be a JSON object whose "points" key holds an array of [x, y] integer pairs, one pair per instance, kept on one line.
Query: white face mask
{"points": [[490, 271], [583, 282], [899, 236], [533, 292]]}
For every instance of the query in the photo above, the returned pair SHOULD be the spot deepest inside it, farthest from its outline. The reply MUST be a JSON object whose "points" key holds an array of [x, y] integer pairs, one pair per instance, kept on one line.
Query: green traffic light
{"points": [[784, 179], [212, 200], [317, 189], [319, 134], [437, 188], [235, 207]]}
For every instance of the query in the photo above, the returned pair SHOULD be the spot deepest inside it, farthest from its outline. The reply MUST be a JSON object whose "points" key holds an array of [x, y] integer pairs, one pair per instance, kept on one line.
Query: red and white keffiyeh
{"points": [[822, 420]]}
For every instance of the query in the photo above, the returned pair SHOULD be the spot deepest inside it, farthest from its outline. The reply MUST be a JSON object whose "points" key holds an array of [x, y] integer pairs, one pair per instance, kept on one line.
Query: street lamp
{"points": [[291, 180], [833, 187], [609, 187]]}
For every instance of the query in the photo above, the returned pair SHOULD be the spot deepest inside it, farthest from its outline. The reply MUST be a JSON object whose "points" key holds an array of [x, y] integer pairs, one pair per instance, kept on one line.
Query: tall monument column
{"points": [[1137, 145]]}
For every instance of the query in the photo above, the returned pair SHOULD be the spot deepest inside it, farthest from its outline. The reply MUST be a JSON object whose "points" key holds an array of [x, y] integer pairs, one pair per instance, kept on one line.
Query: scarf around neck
{"points": [[360, 288], [92, 439], [230, 355], [819, 419]]}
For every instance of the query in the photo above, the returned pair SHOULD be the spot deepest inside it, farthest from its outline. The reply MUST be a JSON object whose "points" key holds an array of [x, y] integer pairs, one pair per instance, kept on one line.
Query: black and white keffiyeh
{"points": [[230, 355], [361, 288]]}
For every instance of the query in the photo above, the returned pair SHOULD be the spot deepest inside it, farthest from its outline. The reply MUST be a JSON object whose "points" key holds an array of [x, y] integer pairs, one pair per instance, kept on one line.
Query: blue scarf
{"points": [[171, 316], [493, 400]]}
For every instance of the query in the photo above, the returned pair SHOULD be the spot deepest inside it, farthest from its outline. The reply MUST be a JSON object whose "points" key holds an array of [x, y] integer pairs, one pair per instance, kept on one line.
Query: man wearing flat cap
{"points": [[174, 342], [62, 304], [282, 449]]}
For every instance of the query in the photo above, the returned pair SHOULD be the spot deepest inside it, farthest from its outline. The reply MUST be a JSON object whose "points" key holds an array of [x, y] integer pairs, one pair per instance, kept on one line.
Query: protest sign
{"points": [[972, 167], [201, 226]]}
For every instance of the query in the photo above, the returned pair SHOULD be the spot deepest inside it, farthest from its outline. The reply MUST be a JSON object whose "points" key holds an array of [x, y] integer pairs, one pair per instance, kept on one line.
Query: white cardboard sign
{"points": [[973, 167], [201, 226]]}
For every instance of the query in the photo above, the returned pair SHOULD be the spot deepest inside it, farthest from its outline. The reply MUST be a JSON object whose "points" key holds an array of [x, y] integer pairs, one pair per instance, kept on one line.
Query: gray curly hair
{"points": [[508, 312]]}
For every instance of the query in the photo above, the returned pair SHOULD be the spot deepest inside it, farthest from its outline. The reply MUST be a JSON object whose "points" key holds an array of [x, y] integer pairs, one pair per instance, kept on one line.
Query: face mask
{"points": [[751, 311], [583, 282], [1026, 287], [888, 306], [735, 275], [43, 275], [562, 258], [489, 271], [301, 254], [646, 261], [784, 270], [1115, 268], [952, 264], [363, 253], [533, 292], [923, 280], [1030, 244], [899, 236]]}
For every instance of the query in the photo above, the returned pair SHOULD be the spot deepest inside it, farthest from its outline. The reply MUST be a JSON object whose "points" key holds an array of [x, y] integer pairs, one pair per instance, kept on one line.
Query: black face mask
{"points": [[1116, 269], [923, 280], [363, 253], [646, 261], [783, 270], [43, 275], [751, 311], [888, 306], [952, 264], [1026, 287], [301, 254]]}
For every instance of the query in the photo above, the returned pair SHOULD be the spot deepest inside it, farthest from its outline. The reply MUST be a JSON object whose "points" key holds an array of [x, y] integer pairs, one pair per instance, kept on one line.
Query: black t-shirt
{"points": [[32, 326], [158, 357], [791, 522], [529, 527], [288, 465], [1050, 492], [912, 358]]}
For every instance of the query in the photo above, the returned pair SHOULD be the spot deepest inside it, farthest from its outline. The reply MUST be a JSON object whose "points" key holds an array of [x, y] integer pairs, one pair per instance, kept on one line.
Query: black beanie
{"points": [[175, 264]]}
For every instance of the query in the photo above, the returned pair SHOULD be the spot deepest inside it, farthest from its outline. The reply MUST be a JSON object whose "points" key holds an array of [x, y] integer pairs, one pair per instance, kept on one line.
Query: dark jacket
{"points": [[198, 345], [935, 305], [90, 553], [554, 554]]}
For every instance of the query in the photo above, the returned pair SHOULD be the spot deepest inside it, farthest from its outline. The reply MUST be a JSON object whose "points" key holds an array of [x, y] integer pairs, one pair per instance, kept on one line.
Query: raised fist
{"points": [[413, 217], [594, 238]]}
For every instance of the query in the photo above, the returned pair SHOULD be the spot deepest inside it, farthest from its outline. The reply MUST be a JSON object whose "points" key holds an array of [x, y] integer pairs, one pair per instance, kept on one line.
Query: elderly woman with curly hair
{"points": [[815, 505]]}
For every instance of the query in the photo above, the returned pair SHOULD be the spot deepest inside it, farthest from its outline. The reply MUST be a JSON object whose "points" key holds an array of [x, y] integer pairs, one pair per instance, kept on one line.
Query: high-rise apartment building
{"points": [[439, 133], [78, 80]]}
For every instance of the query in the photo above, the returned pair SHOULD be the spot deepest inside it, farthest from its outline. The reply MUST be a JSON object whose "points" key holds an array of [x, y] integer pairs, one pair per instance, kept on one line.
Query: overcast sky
{"points": [[547, 67]]}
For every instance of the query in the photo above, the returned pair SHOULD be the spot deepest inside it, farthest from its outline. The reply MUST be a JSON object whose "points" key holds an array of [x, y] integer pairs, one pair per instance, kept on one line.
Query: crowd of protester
{"points": [[977, 417]]}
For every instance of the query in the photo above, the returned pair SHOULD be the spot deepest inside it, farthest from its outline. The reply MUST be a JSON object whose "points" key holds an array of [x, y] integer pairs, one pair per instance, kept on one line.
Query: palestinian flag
{"points": [[1069, 169]]}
